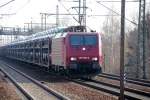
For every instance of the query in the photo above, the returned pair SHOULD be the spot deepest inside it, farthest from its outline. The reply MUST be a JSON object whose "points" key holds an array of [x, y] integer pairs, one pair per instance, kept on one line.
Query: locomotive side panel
{"points": [[58, 52], [100, 49]]}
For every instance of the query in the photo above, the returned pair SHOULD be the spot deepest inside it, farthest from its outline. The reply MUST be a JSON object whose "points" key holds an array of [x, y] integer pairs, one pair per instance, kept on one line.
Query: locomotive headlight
{"points": [[73, 58], [94, 59]]}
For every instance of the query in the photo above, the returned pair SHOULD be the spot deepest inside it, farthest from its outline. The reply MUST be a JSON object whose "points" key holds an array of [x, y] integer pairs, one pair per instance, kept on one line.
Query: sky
{"points": [[29, 10]]}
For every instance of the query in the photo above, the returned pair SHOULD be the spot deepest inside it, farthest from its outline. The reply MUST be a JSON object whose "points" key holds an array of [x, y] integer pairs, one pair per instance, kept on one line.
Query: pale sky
{"points": [[27, 10]]}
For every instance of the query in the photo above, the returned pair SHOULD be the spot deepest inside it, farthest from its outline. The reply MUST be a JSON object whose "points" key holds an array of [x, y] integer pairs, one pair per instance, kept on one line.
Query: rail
{"points": [[50, 91]]}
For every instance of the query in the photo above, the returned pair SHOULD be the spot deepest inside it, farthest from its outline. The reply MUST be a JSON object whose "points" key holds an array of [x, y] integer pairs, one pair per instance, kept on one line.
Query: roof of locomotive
{"points": [[86, 33]]}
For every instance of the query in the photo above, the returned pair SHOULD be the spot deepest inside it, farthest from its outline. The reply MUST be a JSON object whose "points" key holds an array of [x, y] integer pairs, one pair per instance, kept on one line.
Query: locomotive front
{"points": [[84, 54]]}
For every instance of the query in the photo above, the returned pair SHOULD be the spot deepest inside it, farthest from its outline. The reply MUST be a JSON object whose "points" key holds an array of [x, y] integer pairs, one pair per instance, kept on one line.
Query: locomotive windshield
{"points": [[76, 40]]}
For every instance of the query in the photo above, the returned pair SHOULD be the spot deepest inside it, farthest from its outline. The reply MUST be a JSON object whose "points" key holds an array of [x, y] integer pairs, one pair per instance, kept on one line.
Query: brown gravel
{"points": [[78, 92], [7, 92], [130, 85]]}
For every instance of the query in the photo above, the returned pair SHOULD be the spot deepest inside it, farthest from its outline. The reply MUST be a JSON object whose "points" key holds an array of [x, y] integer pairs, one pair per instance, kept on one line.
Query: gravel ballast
{"points": [[7, 91], [70, 89], [78, 92]]}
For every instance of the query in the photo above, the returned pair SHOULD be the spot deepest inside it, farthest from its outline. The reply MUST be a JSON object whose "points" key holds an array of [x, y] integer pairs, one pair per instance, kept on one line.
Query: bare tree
{"points": [[111, 29], [132, 69]]}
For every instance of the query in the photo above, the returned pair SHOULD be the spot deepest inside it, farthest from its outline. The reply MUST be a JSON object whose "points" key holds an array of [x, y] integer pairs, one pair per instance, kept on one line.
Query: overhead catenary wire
{"points": [[6, 3], [23, 6], [77, 14], [68, 11], [15, 12], [7, 14], [119, 1], [116, 13]]}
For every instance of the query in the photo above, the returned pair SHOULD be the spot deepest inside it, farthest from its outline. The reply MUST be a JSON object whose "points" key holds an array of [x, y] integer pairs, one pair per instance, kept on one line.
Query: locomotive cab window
{"points": [[76, 40], [90, 40]]}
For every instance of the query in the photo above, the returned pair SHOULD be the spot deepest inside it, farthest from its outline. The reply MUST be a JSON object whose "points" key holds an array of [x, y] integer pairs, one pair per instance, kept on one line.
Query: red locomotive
{"points": [[68, 50]]}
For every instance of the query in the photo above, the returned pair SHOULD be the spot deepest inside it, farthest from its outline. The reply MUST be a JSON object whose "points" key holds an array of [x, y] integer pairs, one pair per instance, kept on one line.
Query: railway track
{"points": [[141, 82], [130, 94], [47, 83], [114, 90], [25, 83], [25, 94], [135, 79]]}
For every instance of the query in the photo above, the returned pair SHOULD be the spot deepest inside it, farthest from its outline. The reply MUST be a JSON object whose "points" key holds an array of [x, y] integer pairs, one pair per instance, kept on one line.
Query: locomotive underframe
{"points": [[84, 68]]}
